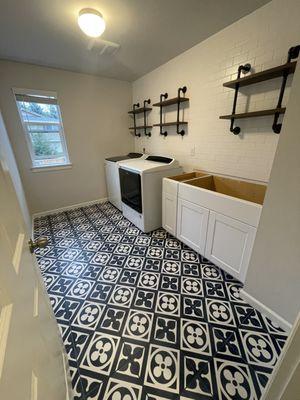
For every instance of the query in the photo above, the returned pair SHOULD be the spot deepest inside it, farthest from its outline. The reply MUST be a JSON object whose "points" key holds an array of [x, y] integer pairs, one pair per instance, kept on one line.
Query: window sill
{"points": [[51, 168]]}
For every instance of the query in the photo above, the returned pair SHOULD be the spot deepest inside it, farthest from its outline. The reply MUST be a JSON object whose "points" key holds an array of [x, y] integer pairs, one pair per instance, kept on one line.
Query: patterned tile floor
{"points": [[143, 316]]}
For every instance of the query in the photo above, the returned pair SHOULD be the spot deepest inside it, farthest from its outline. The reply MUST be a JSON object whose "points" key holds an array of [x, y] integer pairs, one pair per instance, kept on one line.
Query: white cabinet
{"points": [[192, 221], [215, 216], [169, 212], [229, 244]]}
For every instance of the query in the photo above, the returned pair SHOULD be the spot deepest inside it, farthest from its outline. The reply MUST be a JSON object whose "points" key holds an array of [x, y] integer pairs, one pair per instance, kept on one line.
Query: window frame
{"points": [[62, 136]]}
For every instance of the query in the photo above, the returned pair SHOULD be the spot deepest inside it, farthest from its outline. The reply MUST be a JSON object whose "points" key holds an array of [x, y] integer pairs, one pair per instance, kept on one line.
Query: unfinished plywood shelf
{"points": [[187, 176], [283, 71], [262, 76], [252, 114]]}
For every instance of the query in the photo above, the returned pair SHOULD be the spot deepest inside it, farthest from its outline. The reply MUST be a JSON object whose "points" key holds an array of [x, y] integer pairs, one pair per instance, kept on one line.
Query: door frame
{"points": [[287, 366], [7, 154], [19, 255]]}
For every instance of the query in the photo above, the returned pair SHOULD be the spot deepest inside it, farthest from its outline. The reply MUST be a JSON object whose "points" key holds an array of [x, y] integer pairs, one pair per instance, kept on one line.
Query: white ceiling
{"points": [[150, 32]]}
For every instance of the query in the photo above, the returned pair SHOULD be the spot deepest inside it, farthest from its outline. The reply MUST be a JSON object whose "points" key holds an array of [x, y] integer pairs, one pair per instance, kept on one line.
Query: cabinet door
{"points": [[229, 244], [192, 223], [169, 211]]}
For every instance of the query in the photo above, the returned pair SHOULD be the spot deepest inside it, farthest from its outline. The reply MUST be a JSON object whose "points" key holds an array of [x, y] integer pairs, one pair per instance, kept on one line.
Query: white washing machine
{"points": [[141, 189], [112, 177]]}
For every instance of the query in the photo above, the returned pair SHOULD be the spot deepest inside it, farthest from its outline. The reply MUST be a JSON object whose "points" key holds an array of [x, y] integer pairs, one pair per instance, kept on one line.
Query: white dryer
{"points": [[112, 177], [141, 189]]}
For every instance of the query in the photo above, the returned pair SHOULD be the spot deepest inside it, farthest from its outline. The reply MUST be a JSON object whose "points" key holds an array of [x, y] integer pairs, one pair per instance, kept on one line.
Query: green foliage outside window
{"points": [[42, 147]]}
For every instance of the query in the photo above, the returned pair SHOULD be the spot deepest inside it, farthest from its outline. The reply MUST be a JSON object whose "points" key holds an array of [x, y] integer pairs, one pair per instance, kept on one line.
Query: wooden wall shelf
{"points": [[136, 109], [172, 123], [164, 102], [251, 114], [140, 127], [283, 71], [271, 73], [140, 110], [169, 102]]}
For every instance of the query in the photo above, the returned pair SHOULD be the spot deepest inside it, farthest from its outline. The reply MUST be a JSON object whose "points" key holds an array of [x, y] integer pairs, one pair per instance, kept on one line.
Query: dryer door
{"points": [[131, 191]]}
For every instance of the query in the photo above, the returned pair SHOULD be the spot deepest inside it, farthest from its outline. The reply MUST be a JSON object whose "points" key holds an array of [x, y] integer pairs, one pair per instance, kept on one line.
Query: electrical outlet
{"points": [[193, 151]]}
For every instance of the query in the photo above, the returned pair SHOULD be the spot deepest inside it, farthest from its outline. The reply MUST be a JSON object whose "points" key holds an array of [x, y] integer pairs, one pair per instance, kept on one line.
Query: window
{"points": [[42, 123]]}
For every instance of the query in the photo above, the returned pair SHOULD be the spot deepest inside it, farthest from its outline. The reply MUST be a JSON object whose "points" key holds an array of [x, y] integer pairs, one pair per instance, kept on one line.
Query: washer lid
{"points": [[127, 157], [150, 164], [160, 159]]}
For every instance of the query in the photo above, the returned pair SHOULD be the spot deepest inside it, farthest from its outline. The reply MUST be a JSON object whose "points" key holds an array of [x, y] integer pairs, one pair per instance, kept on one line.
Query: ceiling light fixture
{"points": [[91, 22]]}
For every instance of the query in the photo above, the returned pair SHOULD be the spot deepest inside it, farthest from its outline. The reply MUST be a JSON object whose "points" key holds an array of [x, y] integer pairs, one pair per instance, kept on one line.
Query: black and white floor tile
{"points": [[143, 317]]}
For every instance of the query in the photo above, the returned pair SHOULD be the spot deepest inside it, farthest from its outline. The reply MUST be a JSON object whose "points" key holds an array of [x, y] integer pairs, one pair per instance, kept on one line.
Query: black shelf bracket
{"points": [[292, 54], [145, 118], [136, 105], [242, 68], [162, 97], [183, 91]]}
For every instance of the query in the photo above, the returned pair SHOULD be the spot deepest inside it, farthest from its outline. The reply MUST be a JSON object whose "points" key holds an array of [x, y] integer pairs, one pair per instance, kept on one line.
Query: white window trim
{"points": [[46, 93], [49, 168], [62, 135]]}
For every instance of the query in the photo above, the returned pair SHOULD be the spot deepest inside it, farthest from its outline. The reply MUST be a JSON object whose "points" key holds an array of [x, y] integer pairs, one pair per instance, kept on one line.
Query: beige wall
{"points": [[95, 119], [261, 38], [274, 273]]}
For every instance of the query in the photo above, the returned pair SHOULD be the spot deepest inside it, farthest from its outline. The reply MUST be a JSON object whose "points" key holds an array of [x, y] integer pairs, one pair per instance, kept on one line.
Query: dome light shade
{"points": [[91, 22]]}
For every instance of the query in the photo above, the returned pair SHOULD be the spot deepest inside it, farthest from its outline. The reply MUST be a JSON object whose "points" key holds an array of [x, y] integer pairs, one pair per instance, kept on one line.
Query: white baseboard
{"points": [[69, 389], [78, 205], [274, 317]]}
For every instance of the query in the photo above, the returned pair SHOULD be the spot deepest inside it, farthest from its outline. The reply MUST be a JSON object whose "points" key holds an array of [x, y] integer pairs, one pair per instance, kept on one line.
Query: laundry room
{"points": [[149, 194]]}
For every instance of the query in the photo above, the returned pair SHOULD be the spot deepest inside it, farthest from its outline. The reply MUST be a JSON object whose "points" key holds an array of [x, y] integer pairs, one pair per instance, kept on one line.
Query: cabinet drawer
{"points": [[229, 244]]}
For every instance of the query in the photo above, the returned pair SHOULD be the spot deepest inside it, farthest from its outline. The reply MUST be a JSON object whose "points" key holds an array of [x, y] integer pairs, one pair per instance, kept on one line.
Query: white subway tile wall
{"points": [[262, 39]]}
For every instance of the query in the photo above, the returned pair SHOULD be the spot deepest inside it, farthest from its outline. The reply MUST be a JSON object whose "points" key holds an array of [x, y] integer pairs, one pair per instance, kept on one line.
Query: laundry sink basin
{"points": [[187, 176], [231, 187], [170, 184], [214, 215]]}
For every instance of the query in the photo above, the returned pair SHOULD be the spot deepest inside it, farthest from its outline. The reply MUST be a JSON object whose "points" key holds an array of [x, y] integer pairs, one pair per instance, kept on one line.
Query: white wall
{"points": [[273, 276], [261, 38], [95, 119]]}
